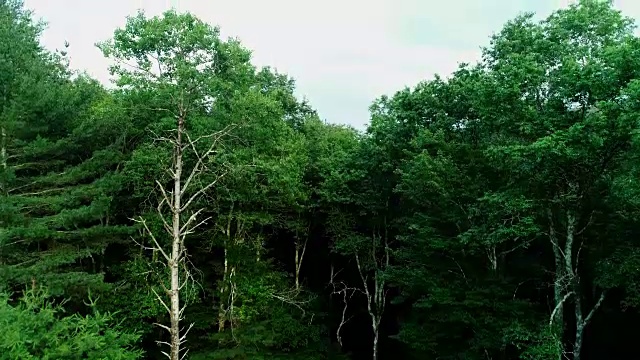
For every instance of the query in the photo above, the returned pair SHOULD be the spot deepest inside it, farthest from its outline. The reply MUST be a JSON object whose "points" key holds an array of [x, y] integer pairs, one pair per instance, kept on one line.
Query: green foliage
{"points": [[35, 328], [59, 182], [269, 318]]}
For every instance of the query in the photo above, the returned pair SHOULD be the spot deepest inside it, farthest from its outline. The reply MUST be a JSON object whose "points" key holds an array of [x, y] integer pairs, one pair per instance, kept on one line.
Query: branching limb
{"points": [[153, 238], [340, 288], [292, 298], [558, 307], [595, 307], [200, 162], [201, 191]]}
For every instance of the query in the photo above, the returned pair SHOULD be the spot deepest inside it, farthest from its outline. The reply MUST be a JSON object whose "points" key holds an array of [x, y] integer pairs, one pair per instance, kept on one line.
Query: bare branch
{"points": [[595, 308], [364, 281], [184, 335], [198, 167], [191, 219], [201, 191], [464, 276], [558, 307], [165, 224], [589, 222], [347, 293], [165, 197], [161, 302], [287, 298], [153, 238], [164, 327]]}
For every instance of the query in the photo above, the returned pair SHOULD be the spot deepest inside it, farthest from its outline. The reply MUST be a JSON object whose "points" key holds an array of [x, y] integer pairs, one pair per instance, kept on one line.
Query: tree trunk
{"points": [[222, 308], [493, 259], [376, 300], [581, 324], [299, 256], [176, 249], [3, 159], [297, 263], [376, 334], [557, 316], [577, 345], [573, 285], [258, 248], [232, 297]]}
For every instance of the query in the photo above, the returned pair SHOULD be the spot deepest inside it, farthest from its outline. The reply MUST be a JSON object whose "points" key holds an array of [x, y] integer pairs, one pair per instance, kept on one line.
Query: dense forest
{"points": [[199, 209]]}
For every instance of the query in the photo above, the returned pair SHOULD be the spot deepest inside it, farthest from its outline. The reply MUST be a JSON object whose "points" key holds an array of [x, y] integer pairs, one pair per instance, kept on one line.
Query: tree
{"points": [[178, 58], [57, 181], [565, 130], [358, 200]]}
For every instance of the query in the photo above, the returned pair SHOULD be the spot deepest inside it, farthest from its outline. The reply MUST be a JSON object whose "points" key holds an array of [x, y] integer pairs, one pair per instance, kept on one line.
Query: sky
{"points": [[343, 54]]}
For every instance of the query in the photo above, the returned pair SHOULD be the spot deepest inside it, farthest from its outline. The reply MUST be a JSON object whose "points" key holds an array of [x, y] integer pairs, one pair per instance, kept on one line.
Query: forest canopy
{"points": [[199, 209]]}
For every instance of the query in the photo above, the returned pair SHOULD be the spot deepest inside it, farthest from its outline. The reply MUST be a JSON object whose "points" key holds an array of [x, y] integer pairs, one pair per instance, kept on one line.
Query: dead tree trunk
{"points": [[3, 156], [178, 202], [5, 186], [301, 247], [176, 246], [222, 309], [375, 293]]}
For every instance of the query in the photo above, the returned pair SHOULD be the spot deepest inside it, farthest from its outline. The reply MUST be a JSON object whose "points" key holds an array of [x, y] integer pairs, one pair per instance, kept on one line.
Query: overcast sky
{"points": [[342, 53]]}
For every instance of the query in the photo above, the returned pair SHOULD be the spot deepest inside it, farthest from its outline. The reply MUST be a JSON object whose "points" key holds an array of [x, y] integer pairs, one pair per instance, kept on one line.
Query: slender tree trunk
{"points": [[557, 316], [3, 144], [258, 248], [297, 263], [376, 335], [3, 156], [580, 326], [299, 256], [573, 281], [227, 288], [571, 274], [3, 159], [577, 345], [222, 308], [378, 309], [376, 300], [232, 297], [493, 259], [176, 250]]}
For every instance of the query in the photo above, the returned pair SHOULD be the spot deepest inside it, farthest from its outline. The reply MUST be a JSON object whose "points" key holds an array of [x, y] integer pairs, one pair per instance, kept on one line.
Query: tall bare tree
{"points": [[178, 62]]}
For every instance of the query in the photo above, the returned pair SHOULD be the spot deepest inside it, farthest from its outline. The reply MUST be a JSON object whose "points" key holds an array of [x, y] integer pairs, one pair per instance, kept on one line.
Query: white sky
{"points": [[342, 53]]}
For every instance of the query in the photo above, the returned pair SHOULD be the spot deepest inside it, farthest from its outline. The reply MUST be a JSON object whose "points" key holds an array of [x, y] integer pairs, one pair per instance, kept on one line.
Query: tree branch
{"points": [[153, 238], [558, 306], [595, 308]]}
